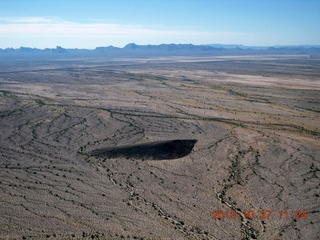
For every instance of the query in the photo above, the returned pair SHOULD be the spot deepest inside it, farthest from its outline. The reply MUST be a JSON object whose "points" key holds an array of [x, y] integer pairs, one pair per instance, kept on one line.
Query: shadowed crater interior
{"points": [[163, 150]]}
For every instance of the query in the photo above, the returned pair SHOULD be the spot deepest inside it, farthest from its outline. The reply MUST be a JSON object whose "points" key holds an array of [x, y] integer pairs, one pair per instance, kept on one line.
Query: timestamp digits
{"points": [[262, 214]]}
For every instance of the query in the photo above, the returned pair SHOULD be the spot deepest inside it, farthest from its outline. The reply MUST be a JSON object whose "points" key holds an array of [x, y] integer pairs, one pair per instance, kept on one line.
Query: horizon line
{"points": [[213, 45]]}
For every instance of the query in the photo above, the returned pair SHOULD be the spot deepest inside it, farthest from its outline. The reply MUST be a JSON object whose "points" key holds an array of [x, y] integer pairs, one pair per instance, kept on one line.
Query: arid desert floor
{"points": [[156, 148]]}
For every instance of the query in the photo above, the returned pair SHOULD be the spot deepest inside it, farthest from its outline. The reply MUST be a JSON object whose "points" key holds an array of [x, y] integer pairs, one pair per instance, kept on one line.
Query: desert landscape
{"points": [[167, 147]]}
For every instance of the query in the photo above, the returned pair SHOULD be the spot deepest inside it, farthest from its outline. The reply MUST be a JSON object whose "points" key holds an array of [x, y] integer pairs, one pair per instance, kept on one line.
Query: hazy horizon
{"points": [[214, 45], [90, 24]]}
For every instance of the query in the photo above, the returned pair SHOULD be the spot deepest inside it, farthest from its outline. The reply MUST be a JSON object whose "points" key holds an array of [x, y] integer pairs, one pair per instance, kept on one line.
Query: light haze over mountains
{"points": [[88, 24]]}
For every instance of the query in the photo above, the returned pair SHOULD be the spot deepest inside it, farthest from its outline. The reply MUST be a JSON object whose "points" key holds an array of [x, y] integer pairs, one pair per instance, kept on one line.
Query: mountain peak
{"points": [[131, 46]]}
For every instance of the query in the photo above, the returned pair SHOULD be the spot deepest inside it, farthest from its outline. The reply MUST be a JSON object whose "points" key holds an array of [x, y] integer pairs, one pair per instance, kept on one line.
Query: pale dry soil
{"points": [[258, 148]]}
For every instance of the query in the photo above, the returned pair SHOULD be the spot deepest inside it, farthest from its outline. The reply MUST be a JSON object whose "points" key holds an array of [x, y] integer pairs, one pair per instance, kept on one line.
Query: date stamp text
{"points": [[262, 214]]}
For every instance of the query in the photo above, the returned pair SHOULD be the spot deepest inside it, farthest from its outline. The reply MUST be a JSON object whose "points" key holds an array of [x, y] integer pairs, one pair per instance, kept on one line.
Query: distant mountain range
{"points": [[230, 46], [134, 50]]}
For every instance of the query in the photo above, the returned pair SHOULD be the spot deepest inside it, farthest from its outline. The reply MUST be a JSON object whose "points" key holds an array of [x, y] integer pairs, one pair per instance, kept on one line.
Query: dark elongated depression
{"points": [[164, 150]]}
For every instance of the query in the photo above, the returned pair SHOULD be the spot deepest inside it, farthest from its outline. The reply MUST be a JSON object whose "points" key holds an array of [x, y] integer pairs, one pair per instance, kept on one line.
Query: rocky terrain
{"points": [[157, 148]]}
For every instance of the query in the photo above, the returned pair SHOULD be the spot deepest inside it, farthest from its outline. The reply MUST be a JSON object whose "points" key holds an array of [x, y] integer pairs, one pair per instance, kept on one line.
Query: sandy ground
{"points": [[255, 119]]}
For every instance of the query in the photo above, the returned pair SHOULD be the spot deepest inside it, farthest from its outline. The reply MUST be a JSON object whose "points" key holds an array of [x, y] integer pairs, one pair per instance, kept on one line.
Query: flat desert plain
{"points": [[160, 148]]}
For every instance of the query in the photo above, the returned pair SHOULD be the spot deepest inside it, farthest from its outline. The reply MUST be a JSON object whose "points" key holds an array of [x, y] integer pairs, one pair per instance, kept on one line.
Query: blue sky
{"points": [[92, 23]]}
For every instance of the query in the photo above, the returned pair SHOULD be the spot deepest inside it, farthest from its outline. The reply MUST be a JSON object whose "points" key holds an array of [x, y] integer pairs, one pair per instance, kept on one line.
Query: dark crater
{"points": [[164, 150]]}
